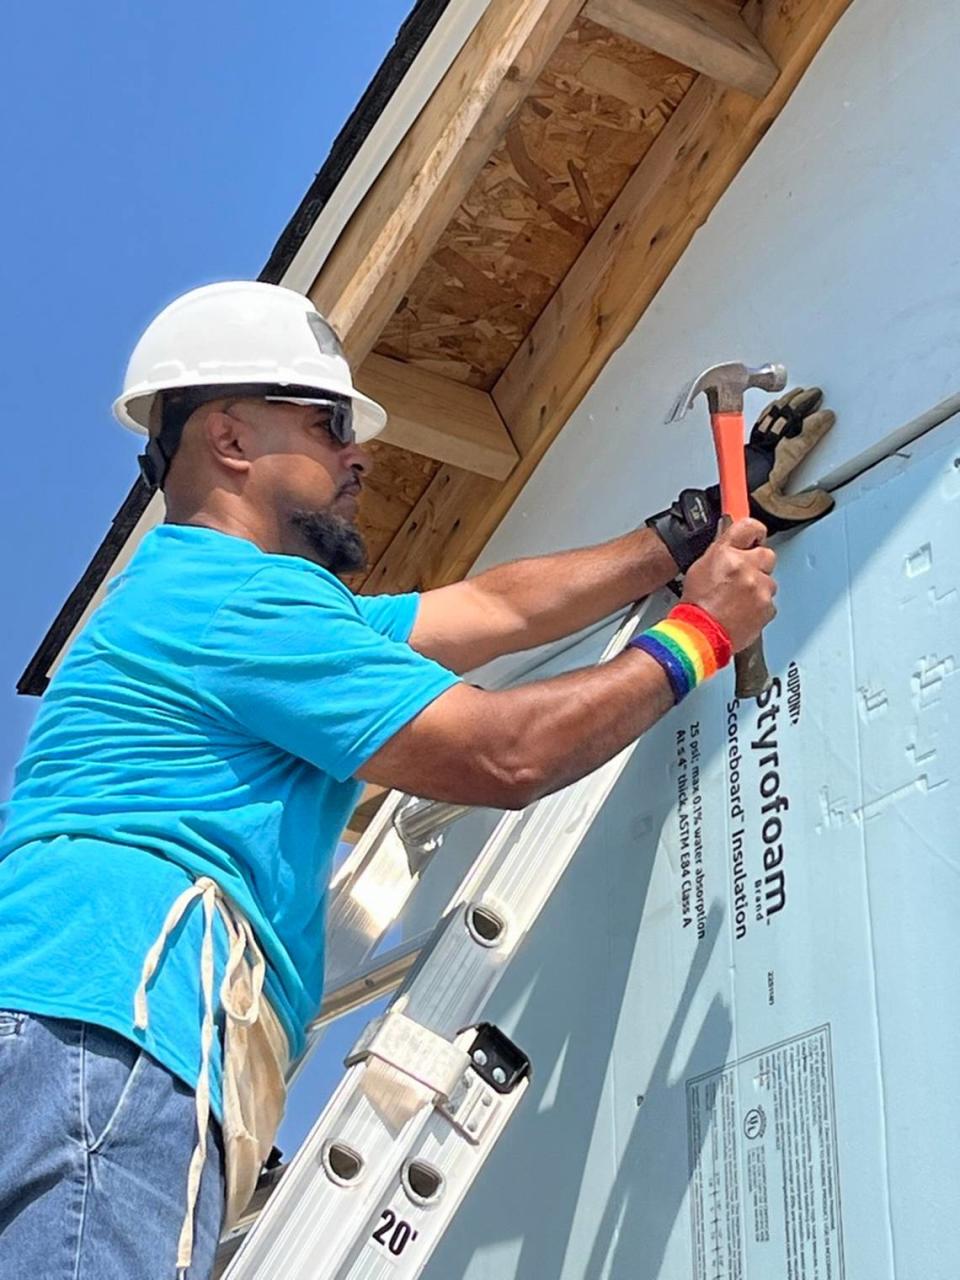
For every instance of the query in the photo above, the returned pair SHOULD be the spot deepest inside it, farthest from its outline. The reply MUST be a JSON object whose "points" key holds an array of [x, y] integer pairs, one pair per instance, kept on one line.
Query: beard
{"points": [[332, 541]]}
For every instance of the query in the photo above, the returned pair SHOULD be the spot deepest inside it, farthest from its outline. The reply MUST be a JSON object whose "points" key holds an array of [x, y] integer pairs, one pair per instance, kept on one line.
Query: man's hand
{"points": [[787, 430], [536, 601], [732, 581]]}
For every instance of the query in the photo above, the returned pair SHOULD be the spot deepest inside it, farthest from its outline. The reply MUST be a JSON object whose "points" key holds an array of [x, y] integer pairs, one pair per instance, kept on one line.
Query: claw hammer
{"points": [[724, 385]]}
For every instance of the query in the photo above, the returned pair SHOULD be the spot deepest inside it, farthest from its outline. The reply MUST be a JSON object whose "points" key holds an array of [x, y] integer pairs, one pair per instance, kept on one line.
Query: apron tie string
{"points": [[240, 994]]}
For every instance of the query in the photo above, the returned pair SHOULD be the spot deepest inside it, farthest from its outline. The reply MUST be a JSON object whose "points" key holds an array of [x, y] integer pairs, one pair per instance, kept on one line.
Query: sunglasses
{"points": [[339, 409]]}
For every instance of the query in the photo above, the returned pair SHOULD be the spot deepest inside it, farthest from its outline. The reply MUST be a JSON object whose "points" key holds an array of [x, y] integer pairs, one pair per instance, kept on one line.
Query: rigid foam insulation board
{"points": [[835, 250], [741, 1001]]}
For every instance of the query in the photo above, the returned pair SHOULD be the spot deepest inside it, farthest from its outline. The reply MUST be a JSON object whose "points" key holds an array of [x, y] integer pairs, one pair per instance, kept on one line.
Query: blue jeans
{"points": [[95, 1141]]}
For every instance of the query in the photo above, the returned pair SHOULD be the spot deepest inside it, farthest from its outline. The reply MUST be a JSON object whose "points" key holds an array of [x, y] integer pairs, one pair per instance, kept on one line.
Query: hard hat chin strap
{"points": [[156, 458], [155, 463]]}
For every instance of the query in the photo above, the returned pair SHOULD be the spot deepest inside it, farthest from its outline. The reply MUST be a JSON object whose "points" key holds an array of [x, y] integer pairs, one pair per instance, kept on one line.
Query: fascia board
{"points": [[440, 48]]}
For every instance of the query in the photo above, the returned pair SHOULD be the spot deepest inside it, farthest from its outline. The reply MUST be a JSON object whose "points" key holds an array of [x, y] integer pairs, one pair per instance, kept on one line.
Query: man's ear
{"points": [[228, 439]]}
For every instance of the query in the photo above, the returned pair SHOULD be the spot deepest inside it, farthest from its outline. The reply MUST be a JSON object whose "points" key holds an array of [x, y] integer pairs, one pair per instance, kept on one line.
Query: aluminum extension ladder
{"points": [[429, 1086]]}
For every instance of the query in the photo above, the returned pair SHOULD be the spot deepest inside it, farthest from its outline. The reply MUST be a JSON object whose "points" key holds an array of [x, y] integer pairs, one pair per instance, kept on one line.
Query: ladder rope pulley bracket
{"points": [[497, 1060], [498, 1068]]}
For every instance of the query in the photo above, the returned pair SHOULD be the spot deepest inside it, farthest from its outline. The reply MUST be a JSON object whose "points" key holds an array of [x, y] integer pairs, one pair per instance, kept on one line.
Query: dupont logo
{"points": [[793, 692]]}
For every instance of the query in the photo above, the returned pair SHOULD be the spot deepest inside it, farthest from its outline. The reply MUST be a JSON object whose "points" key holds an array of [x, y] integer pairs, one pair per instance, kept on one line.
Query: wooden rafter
{"points": [[392, 234], [708, 35], [439, 418], [625, 262]]}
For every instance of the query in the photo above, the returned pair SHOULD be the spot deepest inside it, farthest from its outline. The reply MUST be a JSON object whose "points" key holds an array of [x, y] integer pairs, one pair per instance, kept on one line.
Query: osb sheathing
{"points": [[592, 116], [594, 112]]}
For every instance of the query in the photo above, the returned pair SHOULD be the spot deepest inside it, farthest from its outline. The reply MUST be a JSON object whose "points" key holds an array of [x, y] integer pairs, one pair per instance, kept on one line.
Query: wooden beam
{"points": [[669, 195], [438, 417], [402, 217], [708, 35]]}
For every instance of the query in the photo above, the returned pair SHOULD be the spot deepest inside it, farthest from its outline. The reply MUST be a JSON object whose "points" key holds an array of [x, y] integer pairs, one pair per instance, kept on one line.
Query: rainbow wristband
{"points": [[689, 644]]}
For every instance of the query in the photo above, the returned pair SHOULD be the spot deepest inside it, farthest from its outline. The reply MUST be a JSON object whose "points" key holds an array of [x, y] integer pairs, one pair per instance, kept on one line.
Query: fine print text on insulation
{"points": [[690, 819]]}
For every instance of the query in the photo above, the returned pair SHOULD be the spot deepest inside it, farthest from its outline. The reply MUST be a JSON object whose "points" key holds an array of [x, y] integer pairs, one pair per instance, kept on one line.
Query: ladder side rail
{"points": [[367, 894], [368, 891], [451, 988], [445, 992], [373, 885], [367, 904]]}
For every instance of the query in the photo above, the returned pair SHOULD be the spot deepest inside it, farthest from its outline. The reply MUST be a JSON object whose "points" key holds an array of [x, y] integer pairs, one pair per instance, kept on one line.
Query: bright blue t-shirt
{"points": [[208, 720]]}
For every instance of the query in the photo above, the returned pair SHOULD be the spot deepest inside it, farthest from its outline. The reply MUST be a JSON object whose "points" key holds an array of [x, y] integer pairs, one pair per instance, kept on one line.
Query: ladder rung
{"points": [[421, 822], [379, 977]]}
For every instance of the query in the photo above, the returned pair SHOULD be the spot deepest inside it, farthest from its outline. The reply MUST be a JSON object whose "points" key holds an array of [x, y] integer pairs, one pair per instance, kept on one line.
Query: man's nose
{"points": [[356, 460]]}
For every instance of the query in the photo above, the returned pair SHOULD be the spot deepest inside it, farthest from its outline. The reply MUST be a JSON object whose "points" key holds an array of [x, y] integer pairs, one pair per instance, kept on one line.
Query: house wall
{"points": [[835, 251]]}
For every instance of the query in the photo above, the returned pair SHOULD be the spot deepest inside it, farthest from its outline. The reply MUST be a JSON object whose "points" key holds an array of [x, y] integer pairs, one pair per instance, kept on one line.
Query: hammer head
{"points": [[724, 385]]}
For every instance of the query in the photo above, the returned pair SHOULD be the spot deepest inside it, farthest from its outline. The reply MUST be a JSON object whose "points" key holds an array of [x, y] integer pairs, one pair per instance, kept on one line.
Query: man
{"points": [[169, 840]]}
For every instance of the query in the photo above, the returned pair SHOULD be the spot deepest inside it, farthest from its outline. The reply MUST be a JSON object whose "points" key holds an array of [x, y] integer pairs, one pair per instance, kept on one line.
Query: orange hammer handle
{"points": [[728, 439], [752, 676]]}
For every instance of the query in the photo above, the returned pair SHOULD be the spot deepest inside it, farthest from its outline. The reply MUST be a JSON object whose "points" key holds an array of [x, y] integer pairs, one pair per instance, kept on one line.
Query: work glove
{"points": [[782, 436]]}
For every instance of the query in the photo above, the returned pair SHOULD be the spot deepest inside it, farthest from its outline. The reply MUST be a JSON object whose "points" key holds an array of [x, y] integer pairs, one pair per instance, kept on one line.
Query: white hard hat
{"points": [[242, 332]]}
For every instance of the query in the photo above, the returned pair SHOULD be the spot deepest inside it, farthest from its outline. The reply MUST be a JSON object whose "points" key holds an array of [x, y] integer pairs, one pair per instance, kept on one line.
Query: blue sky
{"points": [[146, 149]]}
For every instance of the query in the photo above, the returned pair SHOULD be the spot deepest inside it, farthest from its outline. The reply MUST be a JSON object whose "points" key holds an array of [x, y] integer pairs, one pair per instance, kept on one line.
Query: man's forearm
{"points": [[557, 595], [567, 726], [535, 601], [509, 748]]}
